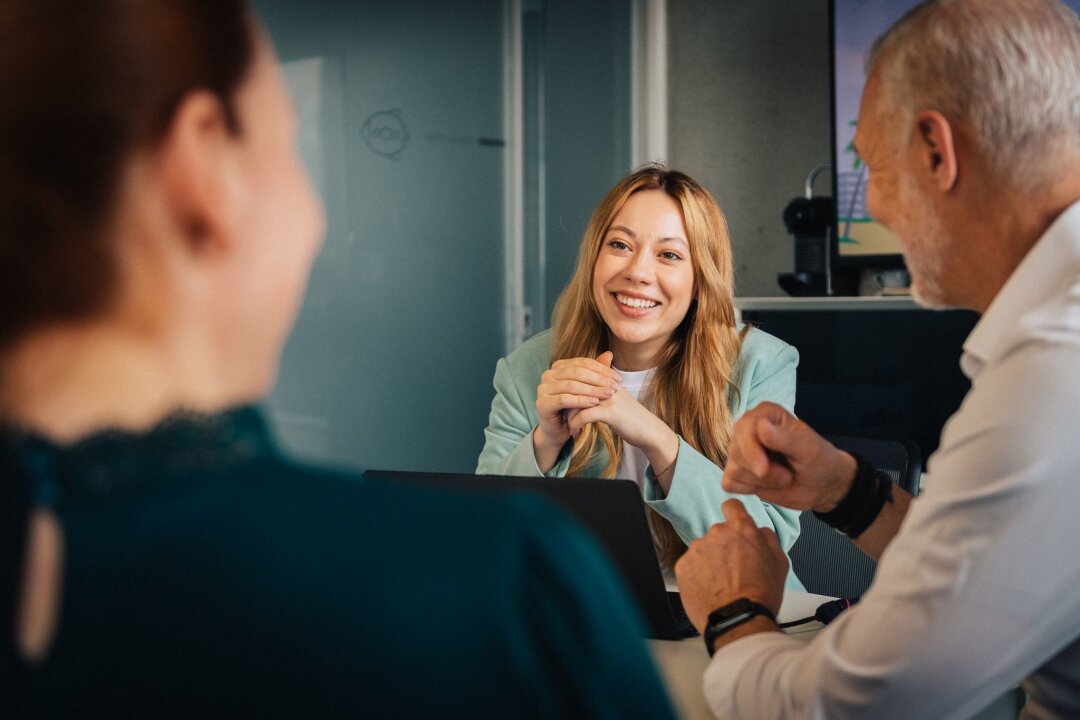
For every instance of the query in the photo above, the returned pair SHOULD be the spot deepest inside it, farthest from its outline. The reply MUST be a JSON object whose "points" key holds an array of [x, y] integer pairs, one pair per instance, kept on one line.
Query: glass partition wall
{"points": [[458, 148]]}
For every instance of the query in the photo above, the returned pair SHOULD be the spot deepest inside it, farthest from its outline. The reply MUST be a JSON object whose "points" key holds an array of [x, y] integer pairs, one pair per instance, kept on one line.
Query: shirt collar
{"points": [[1053, 259]]}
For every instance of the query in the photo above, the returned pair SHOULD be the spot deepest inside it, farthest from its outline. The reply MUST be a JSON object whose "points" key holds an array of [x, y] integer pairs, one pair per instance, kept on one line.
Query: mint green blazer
{"points": [[765, 370]]}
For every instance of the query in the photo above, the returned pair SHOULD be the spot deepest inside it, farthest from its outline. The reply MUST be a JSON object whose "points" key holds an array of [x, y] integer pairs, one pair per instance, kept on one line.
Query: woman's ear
{"points": [[200, 173]]}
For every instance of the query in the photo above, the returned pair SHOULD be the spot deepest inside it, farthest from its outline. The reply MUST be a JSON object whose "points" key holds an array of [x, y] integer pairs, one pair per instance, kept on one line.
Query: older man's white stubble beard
{"points": [[923, 244]]}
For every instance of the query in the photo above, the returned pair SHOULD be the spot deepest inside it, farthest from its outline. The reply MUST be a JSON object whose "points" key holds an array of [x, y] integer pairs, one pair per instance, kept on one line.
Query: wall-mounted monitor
{"points": [[855, 25]]}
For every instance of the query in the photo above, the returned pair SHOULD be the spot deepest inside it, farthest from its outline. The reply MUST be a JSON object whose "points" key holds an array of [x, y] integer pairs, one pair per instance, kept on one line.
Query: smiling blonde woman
{"points": [[646, 367]]}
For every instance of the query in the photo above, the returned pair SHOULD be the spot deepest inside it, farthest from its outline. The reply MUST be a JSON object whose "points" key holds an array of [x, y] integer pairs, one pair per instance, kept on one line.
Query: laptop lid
{"points": [[611, 509]]}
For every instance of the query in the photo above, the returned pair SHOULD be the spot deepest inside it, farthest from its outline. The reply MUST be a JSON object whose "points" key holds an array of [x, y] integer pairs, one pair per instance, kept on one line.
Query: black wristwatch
{"points": [[732, 615]]}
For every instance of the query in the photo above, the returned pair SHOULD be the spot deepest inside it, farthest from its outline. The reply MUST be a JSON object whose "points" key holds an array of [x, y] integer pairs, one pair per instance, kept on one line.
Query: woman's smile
{"points": [[628, 303]]}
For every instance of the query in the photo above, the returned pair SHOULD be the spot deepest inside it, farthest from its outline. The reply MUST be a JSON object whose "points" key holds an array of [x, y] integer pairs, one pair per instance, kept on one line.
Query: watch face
{"points": [[731, 611], [730, 616], [734, 620]]}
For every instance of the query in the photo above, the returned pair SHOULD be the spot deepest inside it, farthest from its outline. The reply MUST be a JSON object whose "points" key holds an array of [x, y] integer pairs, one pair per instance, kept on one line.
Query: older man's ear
{"points": [[936, 144]]}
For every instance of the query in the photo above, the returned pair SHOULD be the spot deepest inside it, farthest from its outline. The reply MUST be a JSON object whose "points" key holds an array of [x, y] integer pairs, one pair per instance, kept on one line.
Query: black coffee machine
{"points": [[811, 222]]}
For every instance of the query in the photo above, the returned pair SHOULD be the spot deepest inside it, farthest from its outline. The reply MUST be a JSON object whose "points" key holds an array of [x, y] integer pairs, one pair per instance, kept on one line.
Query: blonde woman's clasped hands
{"points": [[577, 391]]}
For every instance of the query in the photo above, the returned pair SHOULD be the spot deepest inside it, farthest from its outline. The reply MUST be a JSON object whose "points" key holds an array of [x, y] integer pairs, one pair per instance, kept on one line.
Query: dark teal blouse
{"points": [[205, 574]]}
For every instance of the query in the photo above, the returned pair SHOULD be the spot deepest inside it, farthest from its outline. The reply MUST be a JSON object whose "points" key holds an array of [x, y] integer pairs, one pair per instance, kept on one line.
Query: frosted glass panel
{"points": [[586, 127], [401, 126], [401, 123]]}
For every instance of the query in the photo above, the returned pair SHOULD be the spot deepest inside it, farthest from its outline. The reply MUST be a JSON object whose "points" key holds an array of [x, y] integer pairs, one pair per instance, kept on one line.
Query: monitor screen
{"points": [[856, 24]]}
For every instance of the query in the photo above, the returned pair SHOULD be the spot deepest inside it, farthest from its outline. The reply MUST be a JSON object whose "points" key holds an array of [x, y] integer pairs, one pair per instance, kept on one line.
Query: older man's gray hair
{"points": [[1008, 70]]}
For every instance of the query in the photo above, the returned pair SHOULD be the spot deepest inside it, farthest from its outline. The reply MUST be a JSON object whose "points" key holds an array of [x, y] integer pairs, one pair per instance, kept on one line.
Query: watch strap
{"points": [[858, 510]]}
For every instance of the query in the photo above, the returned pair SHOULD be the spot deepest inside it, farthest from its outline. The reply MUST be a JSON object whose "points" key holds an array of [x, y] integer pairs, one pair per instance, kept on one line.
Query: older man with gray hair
{"points": [[970, 127]]}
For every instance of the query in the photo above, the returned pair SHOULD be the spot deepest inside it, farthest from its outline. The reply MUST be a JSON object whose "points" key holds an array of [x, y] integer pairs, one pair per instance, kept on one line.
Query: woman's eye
{"points": [[618, 245], [668, 255]]}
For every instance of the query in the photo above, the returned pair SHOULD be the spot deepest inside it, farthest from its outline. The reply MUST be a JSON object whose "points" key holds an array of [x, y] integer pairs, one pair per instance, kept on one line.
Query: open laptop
{"points": [[615, 513]]}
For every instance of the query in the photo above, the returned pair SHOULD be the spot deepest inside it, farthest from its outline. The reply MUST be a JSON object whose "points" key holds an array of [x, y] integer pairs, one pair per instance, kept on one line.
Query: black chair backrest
{"points": [[829, 563]]}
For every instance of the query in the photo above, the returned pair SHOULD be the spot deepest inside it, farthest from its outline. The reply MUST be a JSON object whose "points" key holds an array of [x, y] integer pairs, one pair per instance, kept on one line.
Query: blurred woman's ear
{"points": [[200, 175]]}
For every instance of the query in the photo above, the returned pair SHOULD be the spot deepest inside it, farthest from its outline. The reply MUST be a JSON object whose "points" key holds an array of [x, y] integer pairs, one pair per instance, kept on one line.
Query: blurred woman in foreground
{"points": [[158, 555]]}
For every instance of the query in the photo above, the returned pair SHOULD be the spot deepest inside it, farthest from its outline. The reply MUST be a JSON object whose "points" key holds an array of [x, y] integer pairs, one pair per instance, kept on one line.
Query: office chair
{"points": [[829, 563]]}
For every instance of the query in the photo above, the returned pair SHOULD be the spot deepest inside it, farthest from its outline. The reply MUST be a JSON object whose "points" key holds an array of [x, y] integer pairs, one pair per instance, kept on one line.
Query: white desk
{"points": [[682, 662], [888, 302]]}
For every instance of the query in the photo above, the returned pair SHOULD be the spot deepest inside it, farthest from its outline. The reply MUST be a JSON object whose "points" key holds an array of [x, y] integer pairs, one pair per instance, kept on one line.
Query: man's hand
{"points": [[777, 457], [734, 559]]}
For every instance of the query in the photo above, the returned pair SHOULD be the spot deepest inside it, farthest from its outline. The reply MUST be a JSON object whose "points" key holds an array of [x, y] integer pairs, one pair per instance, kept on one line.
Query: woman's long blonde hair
{"points": [[692, 388]]}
